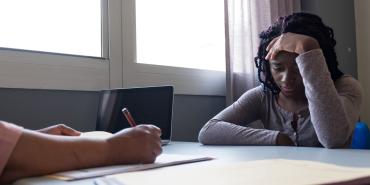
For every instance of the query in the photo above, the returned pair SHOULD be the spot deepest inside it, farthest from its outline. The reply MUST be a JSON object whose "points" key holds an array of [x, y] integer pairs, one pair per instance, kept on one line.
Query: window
{"points": [[179, 43], [59, 44], [181, 33], [106, 54], [58, 26]]}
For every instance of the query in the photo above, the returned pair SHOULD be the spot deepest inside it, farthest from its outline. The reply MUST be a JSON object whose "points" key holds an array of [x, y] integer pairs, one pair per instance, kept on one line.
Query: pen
{"points": [[129, 117]]}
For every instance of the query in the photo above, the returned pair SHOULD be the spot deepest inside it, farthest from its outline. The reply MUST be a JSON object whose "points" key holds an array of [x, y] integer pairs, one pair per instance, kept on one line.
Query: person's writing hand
{"points": [[291, 42], [284, 140], [140, 144], [60, 129]]}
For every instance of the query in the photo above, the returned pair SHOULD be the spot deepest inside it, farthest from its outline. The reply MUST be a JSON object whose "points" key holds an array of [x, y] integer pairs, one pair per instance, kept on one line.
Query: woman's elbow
{"points": [[204, 136], [334, 142], [202, 139]]}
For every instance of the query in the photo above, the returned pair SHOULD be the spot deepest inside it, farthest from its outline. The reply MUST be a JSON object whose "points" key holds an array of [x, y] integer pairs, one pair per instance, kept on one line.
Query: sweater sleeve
{"points": [[334, 107], [229, 127], [9, 135]]}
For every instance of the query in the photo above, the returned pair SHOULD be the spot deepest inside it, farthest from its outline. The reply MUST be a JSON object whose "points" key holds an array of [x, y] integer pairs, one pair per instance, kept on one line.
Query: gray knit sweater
{"points": [[328, 120]]}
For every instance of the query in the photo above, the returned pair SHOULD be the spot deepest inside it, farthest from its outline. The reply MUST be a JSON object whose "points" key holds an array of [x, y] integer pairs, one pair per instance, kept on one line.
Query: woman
{"points": [[26, 153], [303, 100]]}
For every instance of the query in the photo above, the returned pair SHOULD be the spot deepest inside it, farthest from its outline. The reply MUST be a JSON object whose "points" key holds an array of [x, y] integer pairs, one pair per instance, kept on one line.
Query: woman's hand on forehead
{"points": [[291, 42]]}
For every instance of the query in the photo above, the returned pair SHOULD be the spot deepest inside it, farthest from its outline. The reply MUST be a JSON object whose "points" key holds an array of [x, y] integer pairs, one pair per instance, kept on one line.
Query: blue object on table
{"points": [[361, 136]]}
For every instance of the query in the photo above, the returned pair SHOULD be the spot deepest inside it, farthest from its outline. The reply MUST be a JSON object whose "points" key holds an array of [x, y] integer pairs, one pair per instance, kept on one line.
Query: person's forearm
{"points": [[332, 123], [39, 154], [224, 133]]}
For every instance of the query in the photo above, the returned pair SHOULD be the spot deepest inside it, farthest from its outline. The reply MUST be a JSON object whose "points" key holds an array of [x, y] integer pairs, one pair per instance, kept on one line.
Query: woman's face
{"points": [[286, 74]]}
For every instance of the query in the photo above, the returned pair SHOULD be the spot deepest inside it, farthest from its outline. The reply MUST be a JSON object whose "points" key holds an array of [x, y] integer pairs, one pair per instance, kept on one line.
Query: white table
{"points": [[224, 154]]}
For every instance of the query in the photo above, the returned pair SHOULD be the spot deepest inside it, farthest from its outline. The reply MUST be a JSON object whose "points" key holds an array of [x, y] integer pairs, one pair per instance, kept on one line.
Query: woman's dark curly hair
{"points": [[300, 23]]}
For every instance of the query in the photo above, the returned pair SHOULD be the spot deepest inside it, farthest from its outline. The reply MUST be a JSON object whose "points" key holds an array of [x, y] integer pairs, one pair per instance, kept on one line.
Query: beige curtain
{"points": [[245, 19]]}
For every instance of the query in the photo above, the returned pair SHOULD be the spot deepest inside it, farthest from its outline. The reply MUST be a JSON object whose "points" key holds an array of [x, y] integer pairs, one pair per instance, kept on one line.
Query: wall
{"points": [[192, 112], [363, 52], [339, 15], [36, 108]]}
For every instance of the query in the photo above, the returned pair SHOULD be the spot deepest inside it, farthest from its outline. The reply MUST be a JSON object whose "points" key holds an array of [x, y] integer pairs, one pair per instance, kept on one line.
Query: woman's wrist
{"points": [[103, 151], [308, 44], [119, 151], [109, 155]]}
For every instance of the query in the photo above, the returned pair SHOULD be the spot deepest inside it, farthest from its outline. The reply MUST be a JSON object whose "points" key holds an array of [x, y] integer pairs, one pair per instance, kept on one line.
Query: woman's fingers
{"points": [[60, 129], [274, 47], [271, 44], [272, 53], [152, 129]]}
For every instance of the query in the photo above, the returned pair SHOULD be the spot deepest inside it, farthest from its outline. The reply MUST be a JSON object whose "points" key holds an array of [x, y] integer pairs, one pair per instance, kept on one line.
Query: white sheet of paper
{"points": [[274, 171], [161, 161]]}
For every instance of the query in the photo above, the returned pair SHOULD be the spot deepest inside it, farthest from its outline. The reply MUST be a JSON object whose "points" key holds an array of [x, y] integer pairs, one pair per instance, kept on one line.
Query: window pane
{"points": [[182, 33], [60, 26]]}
